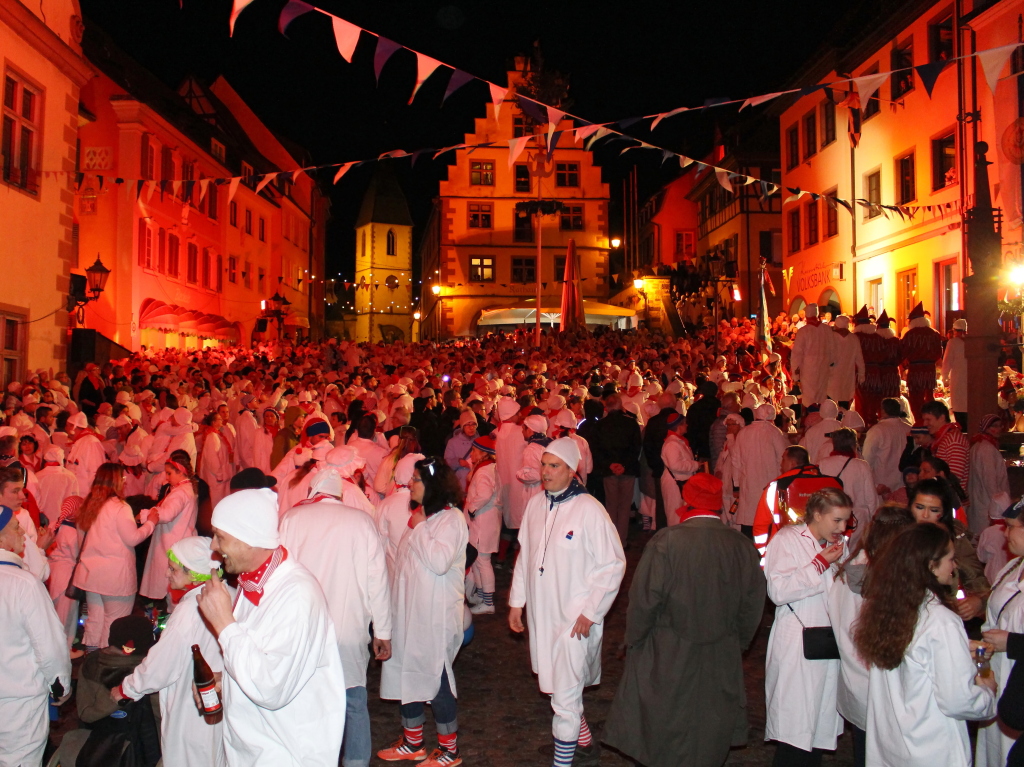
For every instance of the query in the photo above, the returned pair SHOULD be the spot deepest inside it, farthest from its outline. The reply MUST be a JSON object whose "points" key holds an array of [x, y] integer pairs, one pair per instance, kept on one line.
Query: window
{"points": [[261, 281], [187, 191], [147, 158], [523, 178], [944, 161], [685, 244], [172, 255], [519, 126], [831, 214], [572, 218], [906, 295], [810, 135], [559, 268], [166, 170], [13, 351], [284, 184], [794, 230], [873, 194], [262, 229], [873, 106], [480, 215], [206, 268], [247, 176], [233, 269], [523, 227], [876, 296], [947, 283], [161, 250], [212, 200], [481, 173], [770, 246], [792, 147], [481, 268], [567, 174], [192, 265], [392, 243], [902, 68], [940, 39], [524, 270], [233, 213], [812, 222], [247, 275], [218, 266], [22, 114], [906, 183], [217, 149], [248, 221], [828, 122], [145, 245]]}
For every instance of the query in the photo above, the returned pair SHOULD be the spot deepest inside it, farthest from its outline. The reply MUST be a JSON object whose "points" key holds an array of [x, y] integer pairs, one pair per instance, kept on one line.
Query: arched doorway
{"points": [[829, 302], [797, 305]]}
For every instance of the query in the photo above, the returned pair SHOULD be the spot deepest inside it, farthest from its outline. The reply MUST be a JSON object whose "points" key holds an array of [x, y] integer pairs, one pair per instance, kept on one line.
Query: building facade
{"points": [[194, 257], [912, 151], [43, 73], [479, 258]]}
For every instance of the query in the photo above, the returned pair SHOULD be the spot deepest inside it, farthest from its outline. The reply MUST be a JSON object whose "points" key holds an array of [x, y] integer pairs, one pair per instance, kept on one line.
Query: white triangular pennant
{"points": [[267, 178], [585, 130], [516, 147], [685, 161], [346, 37], [868, 84], [343, 170], [203, 184], [992, 62], [554, 116], [666, 115], [236, 8], [233, 187], [497, 97], [425, 67], [753, 101]]}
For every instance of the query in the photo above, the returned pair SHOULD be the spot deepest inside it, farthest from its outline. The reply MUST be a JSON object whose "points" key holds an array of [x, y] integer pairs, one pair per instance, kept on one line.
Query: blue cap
{"points": [[1014, 510], [6, 515], [318, 427]]}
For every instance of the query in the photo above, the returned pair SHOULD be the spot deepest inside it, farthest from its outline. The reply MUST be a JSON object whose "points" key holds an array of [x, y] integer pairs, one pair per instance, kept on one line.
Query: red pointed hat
{"points": [[883, 320], [862, 317], [918, 312]]}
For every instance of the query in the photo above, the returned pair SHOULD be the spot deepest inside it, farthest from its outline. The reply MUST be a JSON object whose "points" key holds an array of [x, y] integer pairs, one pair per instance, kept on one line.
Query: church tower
{"points": [[384, 261]]}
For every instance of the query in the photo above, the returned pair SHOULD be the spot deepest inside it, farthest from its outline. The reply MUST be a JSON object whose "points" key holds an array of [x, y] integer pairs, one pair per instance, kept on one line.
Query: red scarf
{"points": [[984, 437], [177, 594], [252, 584], [486, 461]]}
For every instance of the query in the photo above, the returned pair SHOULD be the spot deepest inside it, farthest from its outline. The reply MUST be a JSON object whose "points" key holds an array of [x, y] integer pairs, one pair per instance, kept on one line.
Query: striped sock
{"points": [[414, 735], [648, 523], [447, 742], [586, 739], [564, 752], [488, 597]]}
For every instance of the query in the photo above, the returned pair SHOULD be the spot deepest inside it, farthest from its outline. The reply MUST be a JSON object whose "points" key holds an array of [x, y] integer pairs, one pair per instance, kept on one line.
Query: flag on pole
{"points": [[764, 326]]}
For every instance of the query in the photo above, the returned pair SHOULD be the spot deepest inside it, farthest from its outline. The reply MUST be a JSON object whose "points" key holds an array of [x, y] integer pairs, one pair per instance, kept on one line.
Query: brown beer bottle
{"points": [[206, 686]]}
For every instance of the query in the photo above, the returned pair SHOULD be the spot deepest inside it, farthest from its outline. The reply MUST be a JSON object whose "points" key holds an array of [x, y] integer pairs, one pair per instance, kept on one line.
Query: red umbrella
{"points": [[572, 298]]}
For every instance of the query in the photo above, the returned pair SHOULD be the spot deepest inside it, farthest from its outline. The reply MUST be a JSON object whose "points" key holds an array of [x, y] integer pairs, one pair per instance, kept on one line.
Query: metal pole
{"points": [[540, 253]]}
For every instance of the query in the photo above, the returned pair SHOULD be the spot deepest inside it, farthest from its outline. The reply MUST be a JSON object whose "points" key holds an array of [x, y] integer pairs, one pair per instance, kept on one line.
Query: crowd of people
{"points": [[284, 514]]}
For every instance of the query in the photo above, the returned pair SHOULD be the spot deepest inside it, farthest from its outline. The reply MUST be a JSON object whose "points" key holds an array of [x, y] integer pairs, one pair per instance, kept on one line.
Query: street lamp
{"points": [[435, 289], [616, 242], [96, 277]]}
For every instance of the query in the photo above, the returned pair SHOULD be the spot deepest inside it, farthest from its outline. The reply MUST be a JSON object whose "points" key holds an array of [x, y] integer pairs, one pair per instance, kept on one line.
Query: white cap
{"points": [[79, 421], [635, 379], [54, 454], [842, 322], [346, 460], [765, 412], [405, 467], [828, 409], [250, 516], [507, 408], [565, 449], [960, 324], [536, 423], [195, 554], [566, 419]]}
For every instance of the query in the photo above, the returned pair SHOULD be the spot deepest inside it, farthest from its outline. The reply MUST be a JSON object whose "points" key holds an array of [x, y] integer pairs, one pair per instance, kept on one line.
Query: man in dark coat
{"points": [[694, 605], [699, 418], [617, 461]]}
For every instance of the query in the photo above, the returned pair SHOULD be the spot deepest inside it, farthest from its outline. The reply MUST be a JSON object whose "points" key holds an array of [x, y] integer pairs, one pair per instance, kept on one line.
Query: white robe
{"points": [[55, 485], [245, 450], [35, 653], [484, 501], [848, 369], [529, 472], [916, 711], [262, 449], [843, 607], [756, 458], [215, 466], [800, 694], [393, 524], [84, 458], [955, 374], [178, 511], [509, 456], [858, 483], [812, 356], [34, 557], [284, 688], [185, 737], [818, 445], [427, 608], [988, 487], [680, 465], [883, 446], [340, 546], [579, 549]]}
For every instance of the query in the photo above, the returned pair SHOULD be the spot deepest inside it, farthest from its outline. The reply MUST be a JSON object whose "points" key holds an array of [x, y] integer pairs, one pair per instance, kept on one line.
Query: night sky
{"points": [[623, 59]]}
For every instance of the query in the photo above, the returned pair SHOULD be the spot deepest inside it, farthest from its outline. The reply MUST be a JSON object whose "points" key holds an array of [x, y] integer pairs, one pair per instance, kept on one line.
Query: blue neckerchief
{"points": [[539, 439], [575, 488], [12, 564]]}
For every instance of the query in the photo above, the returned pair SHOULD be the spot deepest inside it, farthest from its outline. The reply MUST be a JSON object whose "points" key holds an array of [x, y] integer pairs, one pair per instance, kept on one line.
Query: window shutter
{"points": [[144, 160], [143, 231]]}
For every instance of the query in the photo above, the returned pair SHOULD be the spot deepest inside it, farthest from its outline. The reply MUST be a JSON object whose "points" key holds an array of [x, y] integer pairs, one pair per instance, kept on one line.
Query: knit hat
{"points": [[536, 423], [467, 416], [195, 555], [565, 449], [703, 491], [675, 420], [485, 444], [133, 634], [250, 516], [318, 427], [987, 422], [252, 479]]}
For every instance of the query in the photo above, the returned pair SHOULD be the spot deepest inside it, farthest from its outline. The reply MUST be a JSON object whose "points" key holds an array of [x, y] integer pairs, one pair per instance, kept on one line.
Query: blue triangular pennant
{"points": [[457, 80], [929, 73]]}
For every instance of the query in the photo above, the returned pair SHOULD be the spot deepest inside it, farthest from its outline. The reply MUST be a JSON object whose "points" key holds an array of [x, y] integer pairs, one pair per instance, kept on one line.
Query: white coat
{"points": [[284, 688], [372, 453], [843, 607], [988, 486], [245, 451], [883, 445], [392, 525], [35, 654], [756, 458], [579, 549], [178, 511], [340, 546], [262, 448], [811, 359], [55, 485], [215, 466], [529, 472], [427, 608], [848, 368], [800, 694], [858, 483], [509, 447], [680, 465], [484, 502], [185, 737], [107, 564], [818, 445], [84, 458], [1005, 611], [34, 557], [955, 373], [916, 711]]}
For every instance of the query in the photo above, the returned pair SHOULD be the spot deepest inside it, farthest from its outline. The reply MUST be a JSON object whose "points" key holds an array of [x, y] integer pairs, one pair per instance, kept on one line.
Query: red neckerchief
{"points": [[688, 512], [95, 381], [983, 437], [177, 594], [271, 430], [944, 432], [485, 462], [82, 434], [252, 584]]}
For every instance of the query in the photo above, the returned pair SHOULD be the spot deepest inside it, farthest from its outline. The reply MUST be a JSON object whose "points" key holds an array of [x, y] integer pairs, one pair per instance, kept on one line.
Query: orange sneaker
{"points": [[441, 757], [401, 751]]}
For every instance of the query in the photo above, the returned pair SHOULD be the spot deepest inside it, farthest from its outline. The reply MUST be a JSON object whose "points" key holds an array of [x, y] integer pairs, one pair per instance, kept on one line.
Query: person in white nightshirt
{"points": [[567, 576], [177, 512], [283, 684], [263, 441], [857, 478], [483, 510], [680, 465], [185, 737], [56, 483], [394, 512], [535, 428]]}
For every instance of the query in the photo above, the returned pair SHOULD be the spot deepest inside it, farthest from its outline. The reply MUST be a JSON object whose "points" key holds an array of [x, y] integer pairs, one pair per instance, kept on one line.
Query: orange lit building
{"points": [[43, 71], [913, 152], [481, 257], [191, 267]]}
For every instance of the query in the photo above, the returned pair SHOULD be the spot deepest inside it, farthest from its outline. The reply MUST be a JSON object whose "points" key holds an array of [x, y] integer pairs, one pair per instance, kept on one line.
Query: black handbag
{"points": [[72, 591], [819, 641]]}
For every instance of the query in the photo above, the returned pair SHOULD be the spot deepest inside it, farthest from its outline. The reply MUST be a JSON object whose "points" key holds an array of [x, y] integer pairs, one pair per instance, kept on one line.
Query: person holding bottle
{"points": [[186, 737]]}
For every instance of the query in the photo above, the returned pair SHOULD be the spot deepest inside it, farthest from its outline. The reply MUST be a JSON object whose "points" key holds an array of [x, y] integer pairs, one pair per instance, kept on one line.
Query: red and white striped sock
{"points": [[447, 742], [414, 735], [586, 739]]}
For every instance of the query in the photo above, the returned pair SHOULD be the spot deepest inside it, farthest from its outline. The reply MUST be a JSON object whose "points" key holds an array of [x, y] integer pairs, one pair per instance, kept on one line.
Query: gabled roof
{"points": [[384, 201]]}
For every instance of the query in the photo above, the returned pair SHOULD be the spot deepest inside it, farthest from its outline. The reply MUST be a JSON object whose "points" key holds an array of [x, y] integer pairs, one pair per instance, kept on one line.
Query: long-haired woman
{"points": [[922, 681], [106, 567], [427, 615], [214, 463], [844, 601], [408, 442], [176, 519], [800, 565]]}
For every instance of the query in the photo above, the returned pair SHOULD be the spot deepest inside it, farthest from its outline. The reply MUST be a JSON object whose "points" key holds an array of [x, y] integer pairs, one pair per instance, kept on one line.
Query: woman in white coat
{"points": [[922, 682], [756, 457], [427, 613], [680, 465], [176, 519], [215, 466], [67, 542], [394, 512], [185, 737], [106, 568], [800, 694], [483, 513], [263, 441]]}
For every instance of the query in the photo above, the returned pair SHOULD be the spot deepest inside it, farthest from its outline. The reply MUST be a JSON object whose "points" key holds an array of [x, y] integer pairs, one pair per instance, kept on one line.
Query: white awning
{"points": [[524, 313]]}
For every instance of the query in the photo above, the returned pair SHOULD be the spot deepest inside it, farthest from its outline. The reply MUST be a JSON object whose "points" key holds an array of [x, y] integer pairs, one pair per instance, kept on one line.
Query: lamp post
{"points": [[538, 208], [96, 279]]}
